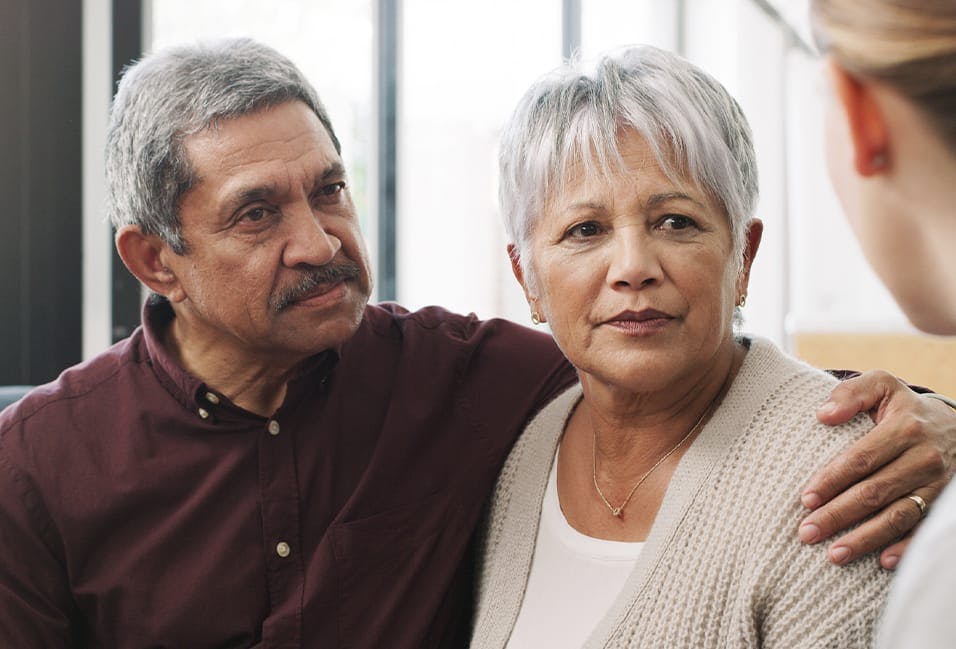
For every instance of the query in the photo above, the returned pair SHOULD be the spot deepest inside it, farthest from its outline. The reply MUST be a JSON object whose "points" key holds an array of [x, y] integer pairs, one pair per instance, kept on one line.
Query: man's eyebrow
{"points": [[336, 169], [252, 194], [255, 193]]}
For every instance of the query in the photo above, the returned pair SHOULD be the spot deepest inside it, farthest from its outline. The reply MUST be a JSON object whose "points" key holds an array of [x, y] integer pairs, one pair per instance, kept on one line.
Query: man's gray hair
{"points": [[177, 92], [695, 128]]}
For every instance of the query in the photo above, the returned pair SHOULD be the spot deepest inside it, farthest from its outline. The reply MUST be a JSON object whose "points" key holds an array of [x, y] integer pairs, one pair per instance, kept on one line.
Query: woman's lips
{"points": [[640, 323]]}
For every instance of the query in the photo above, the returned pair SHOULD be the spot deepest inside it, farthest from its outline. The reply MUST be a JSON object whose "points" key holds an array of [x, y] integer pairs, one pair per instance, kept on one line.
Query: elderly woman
{"points": [[892, 151], [654, 504]]}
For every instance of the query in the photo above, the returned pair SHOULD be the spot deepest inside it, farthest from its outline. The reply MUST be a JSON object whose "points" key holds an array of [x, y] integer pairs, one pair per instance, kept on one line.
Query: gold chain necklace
{"points": [[619, 510]]}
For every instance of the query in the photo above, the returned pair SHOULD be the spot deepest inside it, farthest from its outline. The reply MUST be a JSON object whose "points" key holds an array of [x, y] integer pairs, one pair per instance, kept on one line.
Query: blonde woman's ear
{"points": [[860, 106]]}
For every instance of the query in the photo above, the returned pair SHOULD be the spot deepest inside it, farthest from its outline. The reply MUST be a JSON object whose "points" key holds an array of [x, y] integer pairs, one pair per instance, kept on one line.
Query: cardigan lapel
{"points": [[756, 380], [527, 471], [531, 458]]}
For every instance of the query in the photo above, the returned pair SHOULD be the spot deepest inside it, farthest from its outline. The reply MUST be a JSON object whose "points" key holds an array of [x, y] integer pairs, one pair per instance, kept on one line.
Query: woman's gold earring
{"points": [[535, 318], [743, 301]]}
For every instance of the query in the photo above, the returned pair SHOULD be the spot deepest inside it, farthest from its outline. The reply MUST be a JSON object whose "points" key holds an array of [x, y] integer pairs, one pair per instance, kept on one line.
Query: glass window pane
{"points": [[463, 68], [607, 24]]}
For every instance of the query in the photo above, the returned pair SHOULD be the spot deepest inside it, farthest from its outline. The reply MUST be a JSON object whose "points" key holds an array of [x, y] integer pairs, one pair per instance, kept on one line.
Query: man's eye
{"points": [[254, 215], [333, 189]]}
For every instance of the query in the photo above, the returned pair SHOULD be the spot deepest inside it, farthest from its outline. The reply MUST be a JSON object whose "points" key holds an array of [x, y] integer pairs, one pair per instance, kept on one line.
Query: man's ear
{"points": [[860, 107], [752, 244], [519, 274], [144, 254]]}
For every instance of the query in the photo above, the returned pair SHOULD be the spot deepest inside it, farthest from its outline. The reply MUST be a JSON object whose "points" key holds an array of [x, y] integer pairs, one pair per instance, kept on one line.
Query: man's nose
{"points": [[310, 243], [635, 260]]}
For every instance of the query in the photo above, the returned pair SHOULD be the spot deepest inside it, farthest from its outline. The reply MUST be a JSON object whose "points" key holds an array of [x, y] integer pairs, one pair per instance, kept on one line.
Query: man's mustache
{"points": [[328, 274]]}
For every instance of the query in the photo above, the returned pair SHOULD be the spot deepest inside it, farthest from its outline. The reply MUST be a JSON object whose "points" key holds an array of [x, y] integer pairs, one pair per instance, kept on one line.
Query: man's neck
{"points": [[256, 383]]}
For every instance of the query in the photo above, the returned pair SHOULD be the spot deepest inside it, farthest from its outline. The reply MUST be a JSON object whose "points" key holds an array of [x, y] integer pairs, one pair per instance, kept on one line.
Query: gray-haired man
{"points": [[268, 461]]}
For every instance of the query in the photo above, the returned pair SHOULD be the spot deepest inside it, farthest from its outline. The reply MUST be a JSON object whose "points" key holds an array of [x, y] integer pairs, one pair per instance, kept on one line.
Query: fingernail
{"points": [[889, 562], [811, 500], [840, 554], [809, 533], [827, 408]]}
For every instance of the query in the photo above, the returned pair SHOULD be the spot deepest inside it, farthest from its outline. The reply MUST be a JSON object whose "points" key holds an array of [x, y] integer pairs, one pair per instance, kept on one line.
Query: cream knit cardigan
{"points": [[722, 565]]}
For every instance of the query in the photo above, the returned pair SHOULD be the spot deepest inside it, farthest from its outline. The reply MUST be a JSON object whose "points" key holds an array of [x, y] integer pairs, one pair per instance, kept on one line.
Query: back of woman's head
{"points": [[907, 44]]}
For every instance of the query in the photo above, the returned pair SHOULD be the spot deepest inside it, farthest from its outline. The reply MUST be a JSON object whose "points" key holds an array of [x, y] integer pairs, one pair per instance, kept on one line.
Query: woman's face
{"points": [[635, 275]]}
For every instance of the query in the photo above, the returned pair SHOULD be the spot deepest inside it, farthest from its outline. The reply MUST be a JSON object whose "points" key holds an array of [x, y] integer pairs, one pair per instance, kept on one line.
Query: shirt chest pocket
{"points": [[400, 575]]}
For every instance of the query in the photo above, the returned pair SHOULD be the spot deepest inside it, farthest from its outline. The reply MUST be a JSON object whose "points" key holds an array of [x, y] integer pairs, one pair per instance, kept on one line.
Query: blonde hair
{"points": [[907, 44]]}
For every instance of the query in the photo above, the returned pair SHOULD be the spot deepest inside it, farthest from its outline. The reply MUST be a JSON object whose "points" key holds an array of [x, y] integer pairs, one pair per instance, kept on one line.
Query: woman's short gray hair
{"points": [[177, 92], [696, 129]]}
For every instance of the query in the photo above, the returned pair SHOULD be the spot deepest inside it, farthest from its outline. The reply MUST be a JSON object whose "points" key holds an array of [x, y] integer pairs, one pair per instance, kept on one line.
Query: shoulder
{"points": [[483, 347], [390, 319], [792, 390], [78, 392]]}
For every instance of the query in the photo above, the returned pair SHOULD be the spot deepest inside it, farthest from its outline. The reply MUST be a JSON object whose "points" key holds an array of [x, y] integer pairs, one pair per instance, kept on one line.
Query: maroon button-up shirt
{"points": [[141, 508]]}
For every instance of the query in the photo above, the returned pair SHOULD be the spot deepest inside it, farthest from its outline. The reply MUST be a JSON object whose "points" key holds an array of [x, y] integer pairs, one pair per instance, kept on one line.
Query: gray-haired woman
{"points": [[654, 504]]}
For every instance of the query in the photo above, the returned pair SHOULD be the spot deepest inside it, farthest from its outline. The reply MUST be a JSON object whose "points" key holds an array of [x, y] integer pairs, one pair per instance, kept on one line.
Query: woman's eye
{"points": [[677, 222], [584, 230]]}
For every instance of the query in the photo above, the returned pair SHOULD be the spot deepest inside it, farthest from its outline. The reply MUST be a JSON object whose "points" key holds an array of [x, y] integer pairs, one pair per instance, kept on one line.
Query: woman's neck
{"points": [[621, 440], [639, 427]]}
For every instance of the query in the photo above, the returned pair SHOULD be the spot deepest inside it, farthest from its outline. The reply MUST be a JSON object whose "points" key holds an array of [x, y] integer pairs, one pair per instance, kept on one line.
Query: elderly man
{"points": [[268, 461]]}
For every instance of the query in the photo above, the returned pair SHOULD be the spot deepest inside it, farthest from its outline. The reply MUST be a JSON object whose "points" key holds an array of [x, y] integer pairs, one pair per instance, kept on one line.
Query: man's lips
{"points": [[312, 295], [315, 283]]}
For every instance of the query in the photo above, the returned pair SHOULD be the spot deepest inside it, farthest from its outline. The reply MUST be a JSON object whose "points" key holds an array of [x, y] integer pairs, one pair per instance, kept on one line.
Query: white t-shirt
{"points": [[574, 580], [921, 609]]}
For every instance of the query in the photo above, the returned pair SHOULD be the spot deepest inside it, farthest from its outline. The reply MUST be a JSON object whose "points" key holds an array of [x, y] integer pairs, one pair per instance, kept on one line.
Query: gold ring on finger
{"points": [[919, 503]]}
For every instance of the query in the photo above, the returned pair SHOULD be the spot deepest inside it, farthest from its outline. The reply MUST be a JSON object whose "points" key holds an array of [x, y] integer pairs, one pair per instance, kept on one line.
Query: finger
{"points": [[873, 494], [890, 557], [859, 394], [891, 524], [864, 457]]}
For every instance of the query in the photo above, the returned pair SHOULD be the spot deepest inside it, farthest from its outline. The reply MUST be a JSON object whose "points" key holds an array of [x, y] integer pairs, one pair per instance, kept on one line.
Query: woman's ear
{"points": [[751, 245], [859, 105], [516, 268], [144, 255]]}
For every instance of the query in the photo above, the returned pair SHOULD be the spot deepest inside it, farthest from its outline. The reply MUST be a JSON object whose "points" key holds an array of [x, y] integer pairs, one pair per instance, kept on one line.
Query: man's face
{"points": [[275, 269]]}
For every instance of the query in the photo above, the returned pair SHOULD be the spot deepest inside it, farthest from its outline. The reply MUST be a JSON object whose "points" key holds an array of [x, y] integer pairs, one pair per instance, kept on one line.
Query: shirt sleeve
{"points": [[36, 606]]}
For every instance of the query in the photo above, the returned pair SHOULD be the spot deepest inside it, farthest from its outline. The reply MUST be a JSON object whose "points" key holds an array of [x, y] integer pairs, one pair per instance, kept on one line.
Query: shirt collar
{"points": [[194, 394]]}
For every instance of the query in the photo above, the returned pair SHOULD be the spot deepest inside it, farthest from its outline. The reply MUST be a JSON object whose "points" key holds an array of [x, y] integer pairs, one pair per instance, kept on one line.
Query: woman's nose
{"points": [[310, 242], [635, 261]]}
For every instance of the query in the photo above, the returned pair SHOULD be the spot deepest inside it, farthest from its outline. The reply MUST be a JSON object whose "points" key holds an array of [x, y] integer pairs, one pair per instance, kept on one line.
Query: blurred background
{"points": [[418, 91]]}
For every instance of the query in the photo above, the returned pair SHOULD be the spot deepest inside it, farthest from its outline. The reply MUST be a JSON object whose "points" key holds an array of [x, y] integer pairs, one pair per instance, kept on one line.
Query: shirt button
{"points": [[211, 398], [283, 549], [273, 427], [204, 413]]}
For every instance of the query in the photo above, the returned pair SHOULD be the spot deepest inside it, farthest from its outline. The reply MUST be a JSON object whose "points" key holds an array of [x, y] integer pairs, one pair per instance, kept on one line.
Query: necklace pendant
{"points": [[616, 511]]}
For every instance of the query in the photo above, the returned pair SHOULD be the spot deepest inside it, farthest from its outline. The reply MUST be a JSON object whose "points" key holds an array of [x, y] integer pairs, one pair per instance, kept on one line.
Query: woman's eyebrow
{"points": [[657, 199]]}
